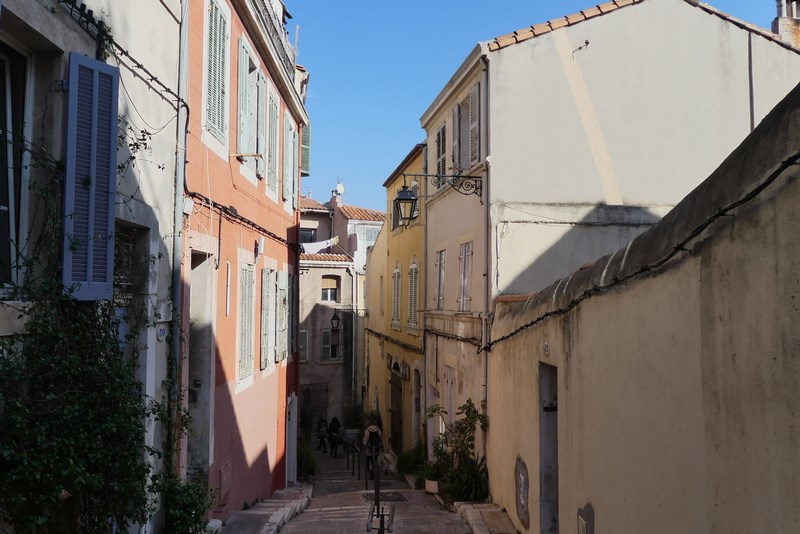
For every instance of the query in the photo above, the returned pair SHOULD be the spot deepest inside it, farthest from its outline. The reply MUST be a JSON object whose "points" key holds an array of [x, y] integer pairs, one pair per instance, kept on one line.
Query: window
{"points": [[466, 132], [413, 294], [89, 180], [283, 317], [441, 152], [13, 68], [465, 273], [330, 288], [267, 318], [216, 71], [325, 345], [252, 130], [308, 235], [290, 168], [246, 283], [396, 297], [302, 342], [380, 294], [438, 297], [272, 149]]}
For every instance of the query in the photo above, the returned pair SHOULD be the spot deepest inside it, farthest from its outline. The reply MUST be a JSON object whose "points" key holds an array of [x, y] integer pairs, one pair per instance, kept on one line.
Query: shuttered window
{"points": [[441, 152], [288, 134], [305, 168], [216, 69], [252, 113], [283, 316], [325, 345], [90, 178], [302, 341], [413, 294], [474, 125], [438, 297], [396, 297], [267, 319], [246, 312], [272, 152], [465, 273]]}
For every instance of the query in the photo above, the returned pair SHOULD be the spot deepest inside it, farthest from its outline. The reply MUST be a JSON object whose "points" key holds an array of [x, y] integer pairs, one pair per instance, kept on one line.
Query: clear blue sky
{"points": [[377, 65]]}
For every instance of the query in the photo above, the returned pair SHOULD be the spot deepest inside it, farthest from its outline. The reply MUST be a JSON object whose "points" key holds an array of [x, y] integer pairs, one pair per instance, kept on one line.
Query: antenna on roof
{"points": [[340, 188]]}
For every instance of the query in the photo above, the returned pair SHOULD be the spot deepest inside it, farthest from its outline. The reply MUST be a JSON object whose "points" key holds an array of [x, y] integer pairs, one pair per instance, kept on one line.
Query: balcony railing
{"points": [[274, 29]]}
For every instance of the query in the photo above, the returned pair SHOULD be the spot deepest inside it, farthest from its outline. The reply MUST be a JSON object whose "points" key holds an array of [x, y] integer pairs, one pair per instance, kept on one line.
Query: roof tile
{"points": [[342, 258], [591, 12], [559, 23], [539, 29], [575, 18], [505, 40], [623, 3], [608, 6], [525, 33], [362, 214]]}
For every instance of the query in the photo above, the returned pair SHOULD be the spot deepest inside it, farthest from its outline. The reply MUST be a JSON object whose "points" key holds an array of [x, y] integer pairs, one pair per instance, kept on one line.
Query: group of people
{"points": [[333, 434], [330, 435]]}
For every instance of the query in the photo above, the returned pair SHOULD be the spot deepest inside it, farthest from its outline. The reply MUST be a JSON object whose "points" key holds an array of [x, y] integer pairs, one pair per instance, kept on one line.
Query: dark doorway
{"points": [[548, 448], [397, 410]]}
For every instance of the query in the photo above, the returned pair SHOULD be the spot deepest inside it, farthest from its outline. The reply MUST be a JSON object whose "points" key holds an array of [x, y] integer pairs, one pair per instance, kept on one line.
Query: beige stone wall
{"points": [[677, 388]]}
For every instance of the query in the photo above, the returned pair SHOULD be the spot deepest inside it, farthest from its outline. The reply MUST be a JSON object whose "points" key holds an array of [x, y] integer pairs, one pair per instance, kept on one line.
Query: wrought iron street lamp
{"points": [[405, 203]]}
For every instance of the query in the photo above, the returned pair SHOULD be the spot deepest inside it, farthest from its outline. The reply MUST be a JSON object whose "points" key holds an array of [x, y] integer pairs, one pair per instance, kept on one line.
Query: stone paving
{"points": [[341, 504]]}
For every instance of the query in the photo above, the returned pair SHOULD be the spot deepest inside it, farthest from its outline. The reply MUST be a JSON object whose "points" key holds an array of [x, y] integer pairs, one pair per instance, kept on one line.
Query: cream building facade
{"points": [[654, 390], [395, 289], [555, 122]]}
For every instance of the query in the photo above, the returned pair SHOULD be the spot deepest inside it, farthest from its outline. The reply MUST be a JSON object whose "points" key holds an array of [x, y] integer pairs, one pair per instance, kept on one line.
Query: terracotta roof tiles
{"points": [[341, 258], [362, 214], [607, 7], [307, 203]]}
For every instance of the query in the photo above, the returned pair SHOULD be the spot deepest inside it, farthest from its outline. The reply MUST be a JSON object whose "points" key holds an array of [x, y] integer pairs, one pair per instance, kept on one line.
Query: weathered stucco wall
{"points": [[676, 387], [574, 126]]}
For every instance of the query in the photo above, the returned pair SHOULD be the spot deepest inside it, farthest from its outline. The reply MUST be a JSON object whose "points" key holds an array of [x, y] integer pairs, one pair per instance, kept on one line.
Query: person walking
{"points": [[333, 435], [373, 445]]}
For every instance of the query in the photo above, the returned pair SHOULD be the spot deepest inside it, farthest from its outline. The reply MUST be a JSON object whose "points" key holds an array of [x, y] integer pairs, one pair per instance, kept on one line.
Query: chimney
{"points": [[336, 198], [787, 24]]}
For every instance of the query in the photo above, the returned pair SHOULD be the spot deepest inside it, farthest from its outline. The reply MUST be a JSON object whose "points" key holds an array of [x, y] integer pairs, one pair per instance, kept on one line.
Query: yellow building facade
{"points": [[394, 366]]}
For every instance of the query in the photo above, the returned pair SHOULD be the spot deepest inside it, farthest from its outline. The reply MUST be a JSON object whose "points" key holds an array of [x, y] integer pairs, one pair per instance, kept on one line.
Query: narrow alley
{"points": [[340, 503]]}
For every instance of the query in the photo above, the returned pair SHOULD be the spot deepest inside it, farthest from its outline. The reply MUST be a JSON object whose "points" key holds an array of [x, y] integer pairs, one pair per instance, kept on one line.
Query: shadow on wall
{"points": [[326, 377], [602, 231], [223, 455]]}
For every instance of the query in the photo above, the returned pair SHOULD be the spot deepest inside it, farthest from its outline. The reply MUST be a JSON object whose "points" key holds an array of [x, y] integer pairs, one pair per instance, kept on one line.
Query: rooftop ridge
{"points": [[536, 30]]}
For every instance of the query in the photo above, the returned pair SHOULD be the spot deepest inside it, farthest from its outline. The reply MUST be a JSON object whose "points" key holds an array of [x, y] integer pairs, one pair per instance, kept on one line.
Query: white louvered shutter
{"points": [[261, 122], [474, 126], [265, 318], [244, 100], [413, 295], [217, 51], [273, 153], [283, 315], [246, 312]]}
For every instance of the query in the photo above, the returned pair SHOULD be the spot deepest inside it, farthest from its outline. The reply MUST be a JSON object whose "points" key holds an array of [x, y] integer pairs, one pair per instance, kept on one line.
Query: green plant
{"points": [[411, 461], [306, 459], [187, 502], [455, 464]]}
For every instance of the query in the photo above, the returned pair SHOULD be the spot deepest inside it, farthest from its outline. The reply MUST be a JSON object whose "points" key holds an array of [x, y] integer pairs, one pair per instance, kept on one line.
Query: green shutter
{"points": [[305, 168]]}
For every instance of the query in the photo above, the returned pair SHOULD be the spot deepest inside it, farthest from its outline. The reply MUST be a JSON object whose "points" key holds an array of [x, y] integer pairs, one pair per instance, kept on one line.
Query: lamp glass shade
{"points": [[335, 321], [405, 206]]}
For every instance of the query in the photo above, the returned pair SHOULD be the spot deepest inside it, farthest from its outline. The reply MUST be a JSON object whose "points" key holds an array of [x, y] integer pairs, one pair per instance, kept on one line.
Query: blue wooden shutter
{"points": [[90, 178]]}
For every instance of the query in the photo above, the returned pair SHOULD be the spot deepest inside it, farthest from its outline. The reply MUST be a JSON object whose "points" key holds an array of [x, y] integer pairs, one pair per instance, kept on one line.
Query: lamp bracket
{"points": [[463, 183]]}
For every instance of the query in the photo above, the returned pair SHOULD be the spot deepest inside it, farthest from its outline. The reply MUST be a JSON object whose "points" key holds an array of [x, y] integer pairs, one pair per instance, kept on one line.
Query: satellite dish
{"points": [[340, 188]]}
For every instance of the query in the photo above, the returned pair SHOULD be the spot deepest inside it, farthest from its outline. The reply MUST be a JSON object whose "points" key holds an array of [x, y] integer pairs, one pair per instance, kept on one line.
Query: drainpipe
{"points": [[354, 303], [180, 176], [487, 233]]}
